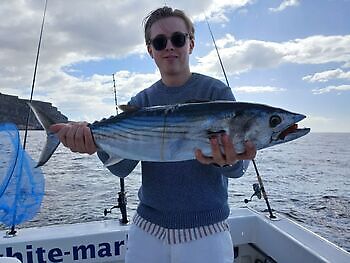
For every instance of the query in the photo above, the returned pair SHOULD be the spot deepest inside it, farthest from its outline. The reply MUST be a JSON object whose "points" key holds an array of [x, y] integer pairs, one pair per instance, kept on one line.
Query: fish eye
{"points": [[275, 120]]}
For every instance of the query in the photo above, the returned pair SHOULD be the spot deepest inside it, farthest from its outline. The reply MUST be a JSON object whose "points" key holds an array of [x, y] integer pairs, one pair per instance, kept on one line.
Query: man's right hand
{"points": [[76, 136]]}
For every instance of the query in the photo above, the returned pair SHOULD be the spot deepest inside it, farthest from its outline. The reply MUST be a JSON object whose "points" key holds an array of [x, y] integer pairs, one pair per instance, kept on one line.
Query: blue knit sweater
{"points": [[183, 194]]}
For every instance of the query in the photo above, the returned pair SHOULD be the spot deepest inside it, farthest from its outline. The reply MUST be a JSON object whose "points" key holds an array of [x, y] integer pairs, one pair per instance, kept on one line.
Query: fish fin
{"points": [[112, 160], [52, 140], [50, 147], [128, 108]]}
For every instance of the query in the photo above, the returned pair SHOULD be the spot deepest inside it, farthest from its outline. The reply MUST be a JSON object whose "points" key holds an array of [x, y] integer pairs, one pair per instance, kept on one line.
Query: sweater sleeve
{"points": [[235, 171]]}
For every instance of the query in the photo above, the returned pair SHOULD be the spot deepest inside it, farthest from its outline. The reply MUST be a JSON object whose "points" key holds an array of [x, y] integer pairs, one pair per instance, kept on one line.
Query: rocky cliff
{"points": [[15, 110]]}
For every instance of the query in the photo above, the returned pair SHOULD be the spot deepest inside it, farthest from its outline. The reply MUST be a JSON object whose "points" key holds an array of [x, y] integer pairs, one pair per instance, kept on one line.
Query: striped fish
{"points": [[172, 133]]}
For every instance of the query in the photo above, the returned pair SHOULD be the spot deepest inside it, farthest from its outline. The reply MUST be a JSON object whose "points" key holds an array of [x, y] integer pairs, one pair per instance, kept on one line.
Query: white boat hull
{"points": [[254, 235]]}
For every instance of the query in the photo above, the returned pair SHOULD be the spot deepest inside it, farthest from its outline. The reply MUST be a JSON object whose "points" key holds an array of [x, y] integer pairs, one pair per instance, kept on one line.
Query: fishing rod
{"points": [[256, 189], [34, 75], [115, 95], [122, 200], [13, 231]]}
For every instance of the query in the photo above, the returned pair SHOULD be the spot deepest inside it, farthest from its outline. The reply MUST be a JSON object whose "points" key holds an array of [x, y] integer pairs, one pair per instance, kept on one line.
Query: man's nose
{"points": [[169, 45]]}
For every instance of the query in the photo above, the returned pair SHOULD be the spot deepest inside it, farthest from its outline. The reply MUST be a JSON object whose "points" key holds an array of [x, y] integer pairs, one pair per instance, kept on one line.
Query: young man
{"points": [[183, 205]]}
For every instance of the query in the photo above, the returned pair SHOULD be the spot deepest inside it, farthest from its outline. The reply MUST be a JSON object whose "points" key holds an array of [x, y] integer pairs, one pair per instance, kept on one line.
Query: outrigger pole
{"points": [[13, 227], [262, 188], [122, 200]]}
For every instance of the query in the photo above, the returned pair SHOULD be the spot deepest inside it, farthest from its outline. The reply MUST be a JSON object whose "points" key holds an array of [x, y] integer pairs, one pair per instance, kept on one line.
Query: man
{"points": [[183, 205]]}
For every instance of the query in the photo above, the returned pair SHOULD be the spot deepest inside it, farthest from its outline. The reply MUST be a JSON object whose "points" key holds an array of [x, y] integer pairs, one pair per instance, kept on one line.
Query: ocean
{"points": [[307, 180]]}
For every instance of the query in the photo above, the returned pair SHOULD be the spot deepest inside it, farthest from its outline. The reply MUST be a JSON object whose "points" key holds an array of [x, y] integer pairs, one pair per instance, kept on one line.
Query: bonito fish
{"points": [[172, 133]]}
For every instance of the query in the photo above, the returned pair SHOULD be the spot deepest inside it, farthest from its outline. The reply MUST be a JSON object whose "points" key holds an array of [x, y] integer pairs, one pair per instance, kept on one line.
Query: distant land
{"points": [[15, 110]]}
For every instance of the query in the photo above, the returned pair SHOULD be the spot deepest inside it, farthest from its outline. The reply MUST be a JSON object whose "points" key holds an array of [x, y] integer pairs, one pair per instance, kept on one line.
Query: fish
{"points": [[171, 133]]}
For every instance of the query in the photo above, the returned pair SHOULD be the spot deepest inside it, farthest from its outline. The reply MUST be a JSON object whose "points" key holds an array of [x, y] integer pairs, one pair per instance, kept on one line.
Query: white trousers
{"points": [[145, 248]]}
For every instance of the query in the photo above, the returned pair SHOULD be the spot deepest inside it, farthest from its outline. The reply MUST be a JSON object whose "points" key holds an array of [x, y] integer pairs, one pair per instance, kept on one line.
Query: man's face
{"points": [[171, 60]]}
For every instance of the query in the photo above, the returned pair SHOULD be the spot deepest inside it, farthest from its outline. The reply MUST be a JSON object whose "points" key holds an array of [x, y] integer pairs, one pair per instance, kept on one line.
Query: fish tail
{"points": [[52, 140]]}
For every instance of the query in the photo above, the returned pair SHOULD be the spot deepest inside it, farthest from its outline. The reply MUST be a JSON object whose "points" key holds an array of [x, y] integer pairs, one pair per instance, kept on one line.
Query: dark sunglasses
{"points": [[178, 39]]}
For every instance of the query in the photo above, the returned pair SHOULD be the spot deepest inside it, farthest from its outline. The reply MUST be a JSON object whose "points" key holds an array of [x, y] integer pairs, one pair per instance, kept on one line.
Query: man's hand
{"points": [[76, 136], [228, 155]]}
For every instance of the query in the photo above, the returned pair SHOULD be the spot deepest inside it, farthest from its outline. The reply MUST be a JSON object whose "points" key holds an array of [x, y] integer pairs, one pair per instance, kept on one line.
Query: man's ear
{"points": [[191, 45], [150, 51]]}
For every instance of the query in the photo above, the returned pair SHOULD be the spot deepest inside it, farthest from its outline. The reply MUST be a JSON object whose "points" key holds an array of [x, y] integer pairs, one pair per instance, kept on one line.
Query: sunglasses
{"points": [[178, 39]]}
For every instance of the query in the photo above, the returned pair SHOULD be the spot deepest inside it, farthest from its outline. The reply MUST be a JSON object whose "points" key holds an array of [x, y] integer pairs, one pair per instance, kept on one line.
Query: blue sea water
{"points": [[307, 180]]}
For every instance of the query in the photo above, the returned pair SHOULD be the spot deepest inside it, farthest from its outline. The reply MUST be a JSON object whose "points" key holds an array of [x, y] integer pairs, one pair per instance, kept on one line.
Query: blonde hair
{"points": [[165, 12]]}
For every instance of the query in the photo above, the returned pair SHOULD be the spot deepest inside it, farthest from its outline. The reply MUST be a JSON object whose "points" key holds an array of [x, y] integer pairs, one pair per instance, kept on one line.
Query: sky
{"points": [[293, 54]]}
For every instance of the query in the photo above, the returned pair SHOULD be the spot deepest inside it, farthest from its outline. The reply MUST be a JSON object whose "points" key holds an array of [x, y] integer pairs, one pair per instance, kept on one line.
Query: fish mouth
{"points": [[292, 132]]}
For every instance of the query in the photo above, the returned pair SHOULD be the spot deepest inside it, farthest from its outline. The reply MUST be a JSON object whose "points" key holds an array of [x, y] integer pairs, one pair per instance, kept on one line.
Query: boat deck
{"points": [[254, 235]]}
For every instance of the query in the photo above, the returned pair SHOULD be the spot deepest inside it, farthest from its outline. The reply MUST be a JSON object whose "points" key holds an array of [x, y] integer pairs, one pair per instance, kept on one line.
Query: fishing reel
{"points": [[257, 193], [122, 201]]}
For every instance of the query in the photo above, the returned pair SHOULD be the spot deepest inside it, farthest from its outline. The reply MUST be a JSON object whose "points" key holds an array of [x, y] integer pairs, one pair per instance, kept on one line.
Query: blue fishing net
{"points": [[21, 185]]}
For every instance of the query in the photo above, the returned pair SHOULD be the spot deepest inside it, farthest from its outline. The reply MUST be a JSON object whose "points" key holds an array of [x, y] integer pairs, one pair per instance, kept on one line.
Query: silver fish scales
{"points": [[172, 133]]}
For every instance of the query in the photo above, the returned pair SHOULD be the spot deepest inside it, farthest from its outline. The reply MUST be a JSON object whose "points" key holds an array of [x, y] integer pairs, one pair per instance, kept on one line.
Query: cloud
{"points": [[328, 89], [92, 97], [258, 89], [240, 56], [285, 4], [318, 49], [216, 11], [82, 31], [138, 81], [76, 32], [328, 75], [319, 123]]}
